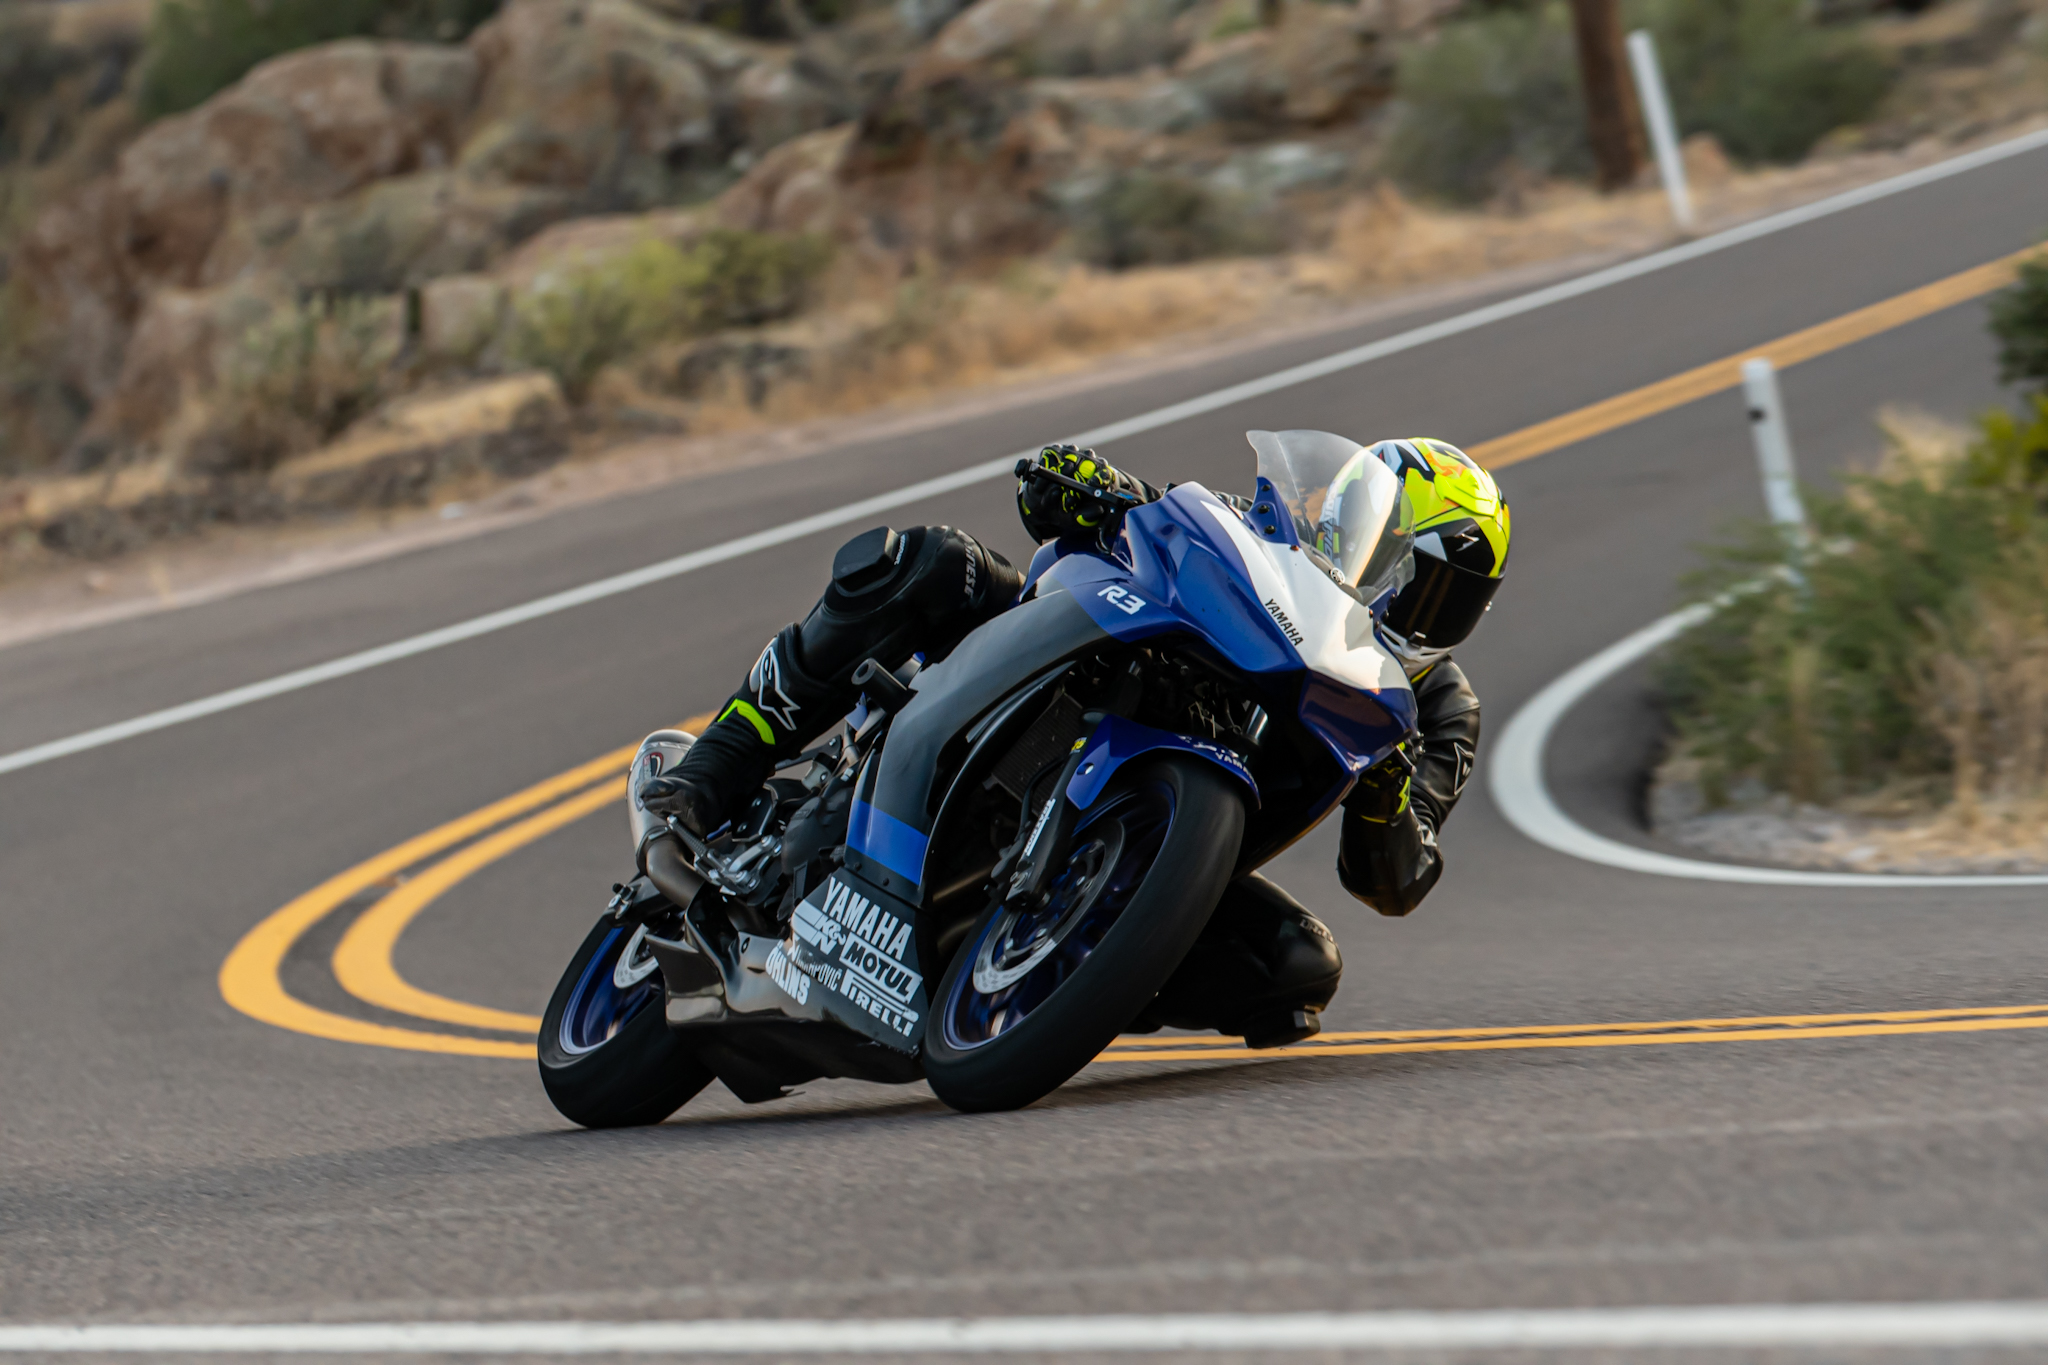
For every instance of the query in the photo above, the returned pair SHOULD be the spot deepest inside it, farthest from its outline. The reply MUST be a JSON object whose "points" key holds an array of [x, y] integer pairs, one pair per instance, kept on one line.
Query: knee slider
{"points": [[940, 579], [867, 561]]}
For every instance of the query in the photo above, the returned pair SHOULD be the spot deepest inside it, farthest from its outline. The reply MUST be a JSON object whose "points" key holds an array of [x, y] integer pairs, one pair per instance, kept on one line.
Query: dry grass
{"points": [[882, 342], [905, 343]]}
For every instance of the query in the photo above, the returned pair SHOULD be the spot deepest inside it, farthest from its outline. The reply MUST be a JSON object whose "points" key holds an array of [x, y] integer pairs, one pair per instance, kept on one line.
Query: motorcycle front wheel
{"points": [[1031, 997], [608, 1058]]}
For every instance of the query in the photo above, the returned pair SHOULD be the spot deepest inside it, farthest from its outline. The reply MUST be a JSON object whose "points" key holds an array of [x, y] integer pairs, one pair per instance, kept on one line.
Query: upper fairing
{"points": [[1190, 564], [1329, 630]]}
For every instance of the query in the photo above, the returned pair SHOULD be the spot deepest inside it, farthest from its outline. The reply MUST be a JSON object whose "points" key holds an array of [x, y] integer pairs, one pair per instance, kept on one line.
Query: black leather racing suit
{"points": [[1388, 857]]}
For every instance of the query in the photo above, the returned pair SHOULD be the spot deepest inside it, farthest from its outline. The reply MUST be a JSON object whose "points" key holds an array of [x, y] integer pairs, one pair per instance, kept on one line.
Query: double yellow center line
{"points": [[250, 978], [1721, 375]]}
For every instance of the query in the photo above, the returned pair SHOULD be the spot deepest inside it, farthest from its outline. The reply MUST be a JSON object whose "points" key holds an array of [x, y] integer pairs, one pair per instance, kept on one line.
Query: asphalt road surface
{"points": [[166, 1158]]}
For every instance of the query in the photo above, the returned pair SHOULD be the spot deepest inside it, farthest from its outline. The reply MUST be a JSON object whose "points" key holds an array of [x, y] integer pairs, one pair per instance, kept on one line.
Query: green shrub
{"points": [[298, 379], [39, 414], [741, 279], [1914, 659], [2019, 319], [577, 324], [196, 48], [1231, 20], [575, 327], [1150, 218], [1760, 75], [1494, 99]]}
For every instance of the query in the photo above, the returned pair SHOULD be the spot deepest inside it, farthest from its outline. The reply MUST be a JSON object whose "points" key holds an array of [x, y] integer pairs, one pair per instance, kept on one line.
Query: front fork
{"points": [[1046, 850]]}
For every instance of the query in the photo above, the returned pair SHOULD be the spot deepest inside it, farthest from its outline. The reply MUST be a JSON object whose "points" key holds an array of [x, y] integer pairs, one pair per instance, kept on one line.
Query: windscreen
{"points": [[1346, 504]]}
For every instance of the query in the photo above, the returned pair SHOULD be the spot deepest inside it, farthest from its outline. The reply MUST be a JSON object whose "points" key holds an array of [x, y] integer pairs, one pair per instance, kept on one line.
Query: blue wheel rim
{"points": [[597, 1008], [971, 1017]]}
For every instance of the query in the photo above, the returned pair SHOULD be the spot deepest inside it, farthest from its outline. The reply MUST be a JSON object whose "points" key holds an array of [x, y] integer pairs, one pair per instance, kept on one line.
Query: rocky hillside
{"points": [[358, 228], [366, 169]]}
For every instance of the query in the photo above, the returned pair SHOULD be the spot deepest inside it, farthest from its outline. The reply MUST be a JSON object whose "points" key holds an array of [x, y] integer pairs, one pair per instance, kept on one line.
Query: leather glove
{"points": [[1381, 793], [661, 794], [1050, 512]]}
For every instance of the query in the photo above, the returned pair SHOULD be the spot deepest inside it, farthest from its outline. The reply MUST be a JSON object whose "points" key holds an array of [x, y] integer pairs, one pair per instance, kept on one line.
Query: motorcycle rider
{"points": [[1265, 966]]}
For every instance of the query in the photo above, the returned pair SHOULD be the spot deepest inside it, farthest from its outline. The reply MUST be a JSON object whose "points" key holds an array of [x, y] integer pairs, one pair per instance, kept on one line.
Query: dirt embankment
{"points": [[375, 278]]}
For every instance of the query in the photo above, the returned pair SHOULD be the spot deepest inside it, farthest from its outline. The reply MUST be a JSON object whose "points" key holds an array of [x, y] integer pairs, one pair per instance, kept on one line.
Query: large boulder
{"points": [[305, 128], [1320, 65], [1151, 103], [193, 201], [627, 107], [369, 167], [798, 187], [1022, 38], [403, 232], [179, 346], [596, 96]]}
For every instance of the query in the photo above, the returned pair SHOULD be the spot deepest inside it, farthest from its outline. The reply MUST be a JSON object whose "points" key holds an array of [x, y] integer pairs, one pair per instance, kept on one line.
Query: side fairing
{"points": [[891, 821]]}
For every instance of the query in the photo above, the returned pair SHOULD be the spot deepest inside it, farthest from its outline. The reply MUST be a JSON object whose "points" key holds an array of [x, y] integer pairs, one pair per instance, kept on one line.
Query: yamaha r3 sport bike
{"points": [[997, 866]]}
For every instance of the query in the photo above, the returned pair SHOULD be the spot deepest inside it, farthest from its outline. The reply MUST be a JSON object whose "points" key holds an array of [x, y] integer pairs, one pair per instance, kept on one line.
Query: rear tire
{"points": [[1002, 1049], [614, 1063]]}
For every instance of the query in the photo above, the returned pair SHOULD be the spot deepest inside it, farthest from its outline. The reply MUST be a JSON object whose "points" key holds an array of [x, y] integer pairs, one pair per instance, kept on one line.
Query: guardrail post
{"points": [[1774, 453], [1642, 56]]}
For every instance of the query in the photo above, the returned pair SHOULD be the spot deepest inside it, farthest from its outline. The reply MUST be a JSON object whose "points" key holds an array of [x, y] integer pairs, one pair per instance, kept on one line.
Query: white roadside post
{"points": [[1774, 455], [1642, 58]]}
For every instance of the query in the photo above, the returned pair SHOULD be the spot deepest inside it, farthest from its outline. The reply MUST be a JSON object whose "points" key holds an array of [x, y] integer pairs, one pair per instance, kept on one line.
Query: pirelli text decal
{"points": [[849, 939]]}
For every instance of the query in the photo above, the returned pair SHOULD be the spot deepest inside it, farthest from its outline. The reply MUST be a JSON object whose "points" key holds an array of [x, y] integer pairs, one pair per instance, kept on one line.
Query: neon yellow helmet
{"points": [[1461, 541]]}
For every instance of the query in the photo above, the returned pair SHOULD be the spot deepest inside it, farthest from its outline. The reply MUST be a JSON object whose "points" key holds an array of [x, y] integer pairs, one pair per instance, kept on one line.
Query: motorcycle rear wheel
{"points": [[608, 1058], [1026, 1003]]}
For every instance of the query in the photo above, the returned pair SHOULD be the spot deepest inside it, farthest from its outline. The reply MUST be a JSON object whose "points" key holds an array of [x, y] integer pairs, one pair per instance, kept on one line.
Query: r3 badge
{"points": [[851, 954]]}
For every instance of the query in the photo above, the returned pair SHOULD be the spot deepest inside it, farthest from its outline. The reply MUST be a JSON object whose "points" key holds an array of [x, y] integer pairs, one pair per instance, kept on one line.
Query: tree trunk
{"points": [[1611, 123]]}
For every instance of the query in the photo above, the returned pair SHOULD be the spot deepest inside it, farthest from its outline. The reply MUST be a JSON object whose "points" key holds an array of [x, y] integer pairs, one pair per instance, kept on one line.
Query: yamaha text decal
{"points": [[847, 945]]}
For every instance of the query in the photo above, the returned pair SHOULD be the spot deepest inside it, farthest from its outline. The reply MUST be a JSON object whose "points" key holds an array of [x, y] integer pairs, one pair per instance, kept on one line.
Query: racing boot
{"points": [[763, 723], [1263, 969], [891, 595]]}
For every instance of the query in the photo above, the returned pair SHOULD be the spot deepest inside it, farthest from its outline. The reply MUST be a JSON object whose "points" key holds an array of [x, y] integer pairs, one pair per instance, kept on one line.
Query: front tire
{"points": [[608, 1058], [1027, 1002]]}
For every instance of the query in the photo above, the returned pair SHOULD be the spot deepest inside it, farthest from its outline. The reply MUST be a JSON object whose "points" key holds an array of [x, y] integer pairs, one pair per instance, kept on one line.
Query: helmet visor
{"points": [[1443, 604]]}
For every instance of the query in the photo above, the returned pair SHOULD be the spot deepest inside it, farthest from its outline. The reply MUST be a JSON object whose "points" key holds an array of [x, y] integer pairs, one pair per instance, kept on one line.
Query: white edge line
{"points": [[1515, 779], [1762, 1325], [992, 469]]}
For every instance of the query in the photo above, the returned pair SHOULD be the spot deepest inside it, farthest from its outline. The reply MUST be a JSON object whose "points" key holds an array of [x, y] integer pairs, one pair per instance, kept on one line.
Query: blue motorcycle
{"points": [[997, 863]]}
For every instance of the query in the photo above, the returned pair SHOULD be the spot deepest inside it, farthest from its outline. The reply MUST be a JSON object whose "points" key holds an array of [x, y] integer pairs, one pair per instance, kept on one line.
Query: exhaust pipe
{"points": [[654, 844], [662, 860]]}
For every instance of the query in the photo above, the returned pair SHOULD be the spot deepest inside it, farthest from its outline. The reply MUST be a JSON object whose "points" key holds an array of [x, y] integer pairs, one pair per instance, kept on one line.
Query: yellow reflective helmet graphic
{"points": [[1450, 493], [1461, 541]]}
